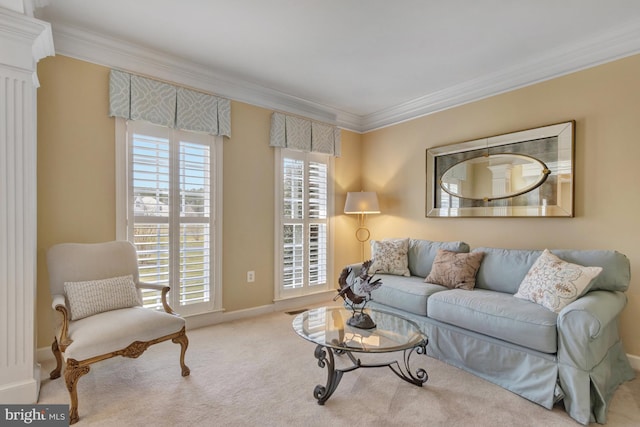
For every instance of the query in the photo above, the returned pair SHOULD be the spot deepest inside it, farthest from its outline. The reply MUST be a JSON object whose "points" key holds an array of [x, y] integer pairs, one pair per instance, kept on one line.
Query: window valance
{"points": [[140, 98], [304, 135]]}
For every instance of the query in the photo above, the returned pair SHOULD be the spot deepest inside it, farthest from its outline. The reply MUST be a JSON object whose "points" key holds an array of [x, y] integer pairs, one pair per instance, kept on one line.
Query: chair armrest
{"points": [[59, 300], [154, 286], [157, 287], [588, 327], [59, 304]]}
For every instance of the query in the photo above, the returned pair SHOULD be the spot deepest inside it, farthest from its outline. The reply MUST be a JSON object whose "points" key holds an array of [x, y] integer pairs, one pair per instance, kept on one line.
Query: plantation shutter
{"points": [[195, 217], [317, 199], [149, 189], [304, 222], [170, 203], [293, 223]]}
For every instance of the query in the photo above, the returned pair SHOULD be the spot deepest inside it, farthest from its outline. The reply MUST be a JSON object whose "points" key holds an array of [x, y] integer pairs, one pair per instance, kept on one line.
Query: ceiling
{"points": [[361, 64]]}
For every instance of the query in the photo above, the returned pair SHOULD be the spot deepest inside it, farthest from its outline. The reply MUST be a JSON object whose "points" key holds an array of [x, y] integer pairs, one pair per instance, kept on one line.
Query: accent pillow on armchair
{"points": [[97, 296]]}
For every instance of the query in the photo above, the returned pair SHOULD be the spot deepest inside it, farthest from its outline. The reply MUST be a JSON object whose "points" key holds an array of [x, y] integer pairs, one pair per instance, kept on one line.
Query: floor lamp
{"points": [[362, 203]]}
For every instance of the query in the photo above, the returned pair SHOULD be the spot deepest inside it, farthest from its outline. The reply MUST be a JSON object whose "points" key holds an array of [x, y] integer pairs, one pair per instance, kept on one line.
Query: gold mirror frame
{"points": [[551, 145]]}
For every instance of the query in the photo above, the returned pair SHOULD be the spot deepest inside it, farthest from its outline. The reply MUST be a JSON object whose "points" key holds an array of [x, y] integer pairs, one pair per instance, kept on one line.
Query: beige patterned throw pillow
{"points": [[554, 283], [96, 296], [390, 256], [455, 269]]}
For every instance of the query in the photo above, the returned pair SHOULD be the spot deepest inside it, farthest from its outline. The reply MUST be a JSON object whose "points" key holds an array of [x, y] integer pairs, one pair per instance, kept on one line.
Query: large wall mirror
{"points": [[521, 174]]}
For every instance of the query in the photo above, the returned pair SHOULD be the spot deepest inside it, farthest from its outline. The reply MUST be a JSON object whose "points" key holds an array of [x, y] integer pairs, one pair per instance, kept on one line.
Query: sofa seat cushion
{"points": [[498, 315], [405, 293], [115, 330]]}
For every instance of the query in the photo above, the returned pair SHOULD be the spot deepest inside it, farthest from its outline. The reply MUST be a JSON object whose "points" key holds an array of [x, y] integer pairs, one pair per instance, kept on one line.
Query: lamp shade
{"points": [[362, 202]]}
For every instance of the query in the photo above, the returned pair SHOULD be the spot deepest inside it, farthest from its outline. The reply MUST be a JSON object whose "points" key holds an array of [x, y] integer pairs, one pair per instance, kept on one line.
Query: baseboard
{"points": [[44, 354], [23, 392], [324, 297]]}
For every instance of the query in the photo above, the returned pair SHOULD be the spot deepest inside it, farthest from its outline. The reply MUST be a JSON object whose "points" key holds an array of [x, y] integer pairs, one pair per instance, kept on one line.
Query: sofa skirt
{"points": [[589, 392], [538, 377], [528, 373]]}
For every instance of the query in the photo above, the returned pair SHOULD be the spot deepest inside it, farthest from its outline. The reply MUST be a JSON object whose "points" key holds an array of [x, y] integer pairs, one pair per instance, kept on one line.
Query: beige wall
{"points": [[347, 178], [76, 158], [603, 101], [76, 184]]}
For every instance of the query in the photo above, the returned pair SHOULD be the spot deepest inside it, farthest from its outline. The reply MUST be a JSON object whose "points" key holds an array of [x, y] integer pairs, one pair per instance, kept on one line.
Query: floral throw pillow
{"points": [[390, 256], [554, 283], [455, 269]]}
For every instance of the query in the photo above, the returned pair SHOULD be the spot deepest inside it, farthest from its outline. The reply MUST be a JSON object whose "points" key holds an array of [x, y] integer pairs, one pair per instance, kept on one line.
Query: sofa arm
{"points": [[355, 267], [162, 288], [59, 304], [588, 327]]}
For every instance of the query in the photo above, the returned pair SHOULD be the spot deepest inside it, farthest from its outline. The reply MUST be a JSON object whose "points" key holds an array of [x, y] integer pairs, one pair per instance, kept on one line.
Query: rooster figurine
{"points": [[356, 290]]}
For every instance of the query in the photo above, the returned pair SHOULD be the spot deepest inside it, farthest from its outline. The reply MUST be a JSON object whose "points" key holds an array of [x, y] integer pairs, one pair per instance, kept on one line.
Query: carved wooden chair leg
{"points": [[56, 352], [72, 373], [184, 343]]}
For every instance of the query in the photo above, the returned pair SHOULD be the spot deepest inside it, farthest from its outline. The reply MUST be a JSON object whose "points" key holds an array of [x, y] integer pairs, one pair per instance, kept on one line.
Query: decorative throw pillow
{"points": [[96, 296], [455, 269], [554, 283], [390, 256]]}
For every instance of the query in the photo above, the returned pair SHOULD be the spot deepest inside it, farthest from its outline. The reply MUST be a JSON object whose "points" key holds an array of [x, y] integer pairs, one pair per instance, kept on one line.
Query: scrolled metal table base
{"points": [[326, 359]]}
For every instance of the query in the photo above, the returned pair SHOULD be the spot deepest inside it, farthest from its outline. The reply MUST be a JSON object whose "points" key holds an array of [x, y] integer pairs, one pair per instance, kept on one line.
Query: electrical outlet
{"points": [[251, 276]]}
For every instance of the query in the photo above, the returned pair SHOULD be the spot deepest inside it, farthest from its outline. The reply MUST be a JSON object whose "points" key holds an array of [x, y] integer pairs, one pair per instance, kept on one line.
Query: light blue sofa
{"points": [[574, 356]]}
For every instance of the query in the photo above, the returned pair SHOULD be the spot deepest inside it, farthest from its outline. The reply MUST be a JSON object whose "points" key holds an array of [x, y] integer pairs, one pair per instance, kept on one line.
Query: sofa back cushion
{"points": [[423, 252], [616, 269], [503, 270]]}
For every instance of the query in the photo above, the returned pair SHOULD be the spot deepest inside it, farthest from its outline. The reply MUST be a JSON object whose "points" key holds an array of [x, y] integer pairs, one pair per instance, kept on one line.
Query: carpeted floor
{"points": [[258, 372]]}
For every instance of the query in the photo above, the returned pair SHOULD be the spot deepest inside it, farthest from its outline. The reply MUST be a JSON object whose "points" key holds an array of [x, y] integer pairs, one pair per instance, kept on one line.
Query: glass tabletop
{"points": [[327, 326]]}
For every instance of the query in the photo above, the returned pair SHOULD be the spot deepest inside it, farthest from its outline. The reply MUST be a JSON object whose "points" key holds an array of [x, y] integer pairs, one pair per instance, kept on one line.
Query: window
{"points": [[305, 196], [171, 210]]}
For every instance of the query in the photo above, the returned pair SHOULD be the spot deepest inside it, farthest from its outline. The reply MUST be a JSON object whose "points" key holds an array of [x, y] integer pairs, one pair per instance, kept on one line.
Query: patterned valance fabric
{"points": [[153, 101], [304, 135], [139, 98]]}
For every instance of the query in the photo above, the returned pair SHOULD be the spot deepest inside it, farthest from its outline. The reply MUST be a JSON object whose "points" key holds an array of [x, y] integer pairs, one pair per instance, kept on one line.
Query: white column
{"points": [[23, 42]]}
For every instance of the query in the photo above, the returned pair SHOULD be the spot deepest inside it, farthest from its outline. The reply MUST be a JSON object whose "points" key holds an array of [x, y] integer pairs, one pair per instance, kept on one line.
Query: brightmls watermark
{"points": [[34, 415]]}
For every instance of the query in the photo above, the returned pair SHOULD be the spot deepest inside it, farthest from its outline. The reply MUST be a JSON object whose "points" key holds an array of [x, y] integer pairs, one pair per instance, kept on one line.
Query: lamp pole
{"points": [[362, 203]]}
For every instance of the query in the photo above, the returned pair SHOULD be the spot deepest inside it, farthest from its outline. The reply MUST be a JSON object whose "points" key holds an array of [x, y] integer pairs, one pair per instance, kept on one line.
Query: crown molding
{"points": [[111, 52], [607, 47], [103, 50]]}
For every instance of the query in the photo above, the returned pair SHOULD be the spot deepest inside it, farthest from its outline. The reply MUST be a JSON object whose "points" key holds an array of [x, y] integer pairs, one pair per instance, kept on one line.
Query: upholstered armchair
{"points": [[97, 296]]}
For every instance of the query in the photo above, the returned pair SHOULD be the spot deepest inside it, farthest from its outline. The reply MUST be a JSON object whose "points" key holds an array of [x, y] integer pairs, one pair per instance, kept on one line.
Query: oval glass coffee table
{"points": [[327, 328]]}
